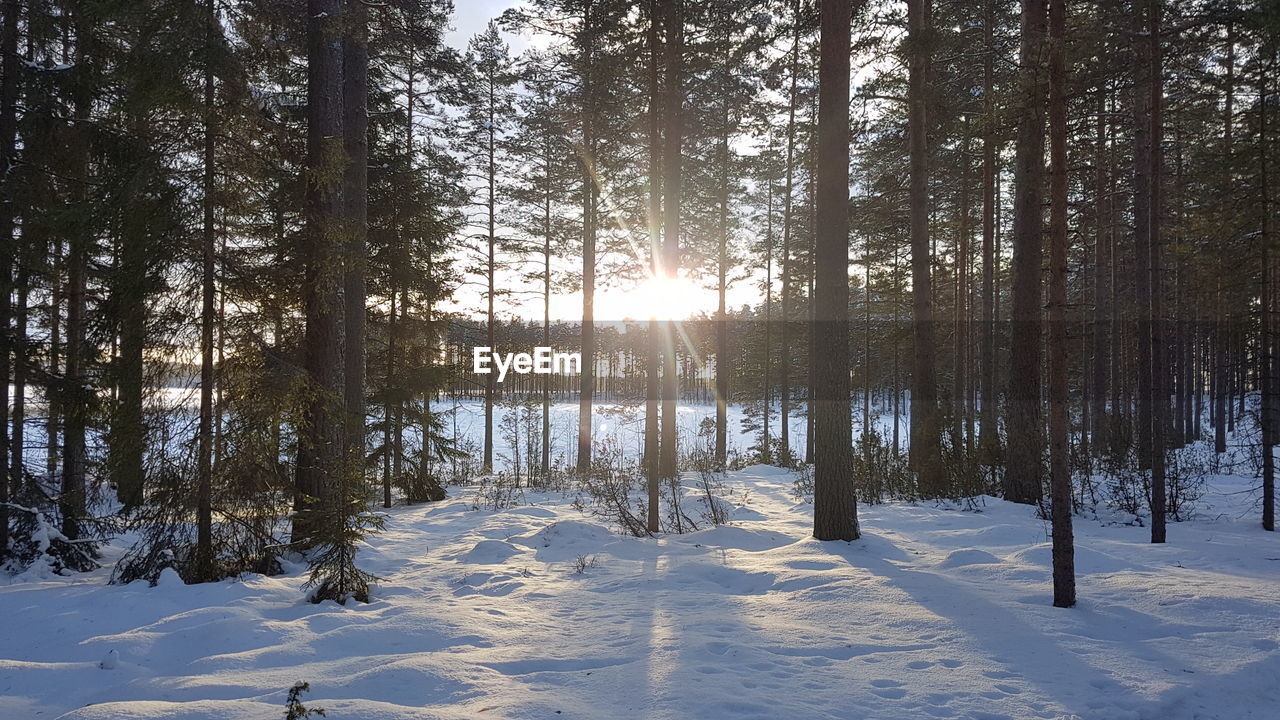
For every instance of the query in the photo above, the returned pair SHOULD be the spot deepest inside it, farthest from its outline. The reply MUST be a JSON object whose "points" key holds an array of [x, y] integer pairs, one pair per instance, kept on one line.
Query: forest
{"points": [[943, 334]]}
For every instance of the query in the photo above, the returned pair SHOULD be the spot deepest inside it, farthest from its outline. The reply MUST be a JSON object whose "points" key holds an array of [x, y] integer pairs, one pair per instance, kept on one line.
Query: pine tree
{"points": [[835, 512]]}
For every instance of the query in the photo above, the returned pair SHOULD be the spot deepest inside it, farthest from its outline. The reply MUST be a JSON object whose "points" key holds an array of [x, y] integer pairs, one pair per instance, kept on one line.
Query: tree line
{"points": [[1039, 233]]}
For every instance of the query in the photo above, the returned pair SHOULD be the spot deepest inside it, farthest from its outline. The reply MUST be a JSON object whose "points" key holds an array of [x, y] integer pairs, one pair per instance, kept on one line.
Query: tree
{"points": [[490, 105], [652, 440], [988, 432], [926, 431], [1022, 474], [835, 511], [8, 145], [673, 137], [355, 211], [1064, 579], [208, 292], [320, 440]]}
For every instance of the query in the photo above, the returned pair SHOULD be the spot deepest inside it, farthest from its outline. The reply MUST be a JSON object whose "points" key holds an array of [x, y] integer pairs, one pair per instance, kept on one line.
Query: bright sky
{"points": [[615, 300]]}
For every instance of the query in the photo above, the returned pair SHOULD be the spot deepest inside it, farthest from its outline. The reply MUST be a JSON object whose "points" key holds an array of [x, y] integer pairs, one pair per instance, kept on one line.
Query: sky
{"points": [[615, 300]]}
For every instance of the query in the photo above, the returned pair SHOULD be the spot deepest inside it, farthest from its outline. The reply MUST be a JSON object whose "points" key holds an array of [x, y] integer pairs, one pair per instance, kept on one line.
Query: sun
{"points": [[657, 298], [664, 299]]}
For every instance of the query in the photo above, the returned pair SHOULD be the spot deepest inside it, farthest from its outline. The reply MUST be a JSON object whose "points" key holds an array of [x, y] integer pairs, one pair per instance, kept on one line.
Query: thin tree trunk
{"points": [[652, 354], [355, 95], [490, 379], [1022, 479], [387, 449], [1064, 574], [766, 451], [989, 435], [546, 302], [784, 372], [1142, 214], [587, 381], [960, 357], [71, 502], [1158, 394], [1221, 319], [1270, 411], [8, 144], [1101, 291], [925, 447], [671, 189], [723, 364], [208, 291], [52, 411]]}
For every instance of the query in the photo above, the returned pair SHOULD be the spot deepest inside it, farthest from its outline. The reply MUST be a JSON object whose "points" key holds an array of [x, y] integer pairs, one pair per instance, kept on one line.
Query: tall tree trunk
{"points": [[1142, 214], [1221, 317], [671, 190], [766, 450], [1156, 395], [960, 358], [208, 290], [355, 126], [127, 437], [989, 434], [811, 371], [51, 392], [491, 275], [835, 510], [1101, 291], [925, 448], [8, 144], [321, 438], [546, 300], [1270, 411], [1064, 573], [1022, 478], [76, 395], [723, 362], [653, 347], [784, 371], [387, 448], [587, 381]]}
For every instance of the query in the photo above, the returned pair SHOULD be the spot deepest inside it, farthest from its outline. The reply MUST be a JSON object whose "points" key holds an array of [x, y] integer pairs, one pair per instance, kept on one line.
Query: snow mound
{"points": [[566, 539], [488, 552], [1088, 561], [968, 556]]}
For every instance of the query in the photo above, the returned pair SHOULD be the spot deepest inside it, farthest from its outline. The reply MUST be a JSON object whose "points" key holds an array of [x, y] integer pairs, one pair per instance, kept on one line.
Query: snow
{"points": [[937, 612]]}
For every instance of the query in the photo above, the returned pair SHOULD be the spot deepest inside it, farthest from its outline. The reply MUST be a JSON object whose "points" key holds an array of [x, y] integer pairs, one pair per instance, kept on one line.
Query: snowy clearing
{"points": [[936, 612]]}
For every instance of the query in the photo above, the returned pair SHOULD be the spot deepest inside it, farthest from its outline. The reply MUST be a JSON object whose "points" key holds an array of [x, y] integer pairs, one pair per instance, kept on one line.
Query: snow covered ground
{"points": [[936, 612]]}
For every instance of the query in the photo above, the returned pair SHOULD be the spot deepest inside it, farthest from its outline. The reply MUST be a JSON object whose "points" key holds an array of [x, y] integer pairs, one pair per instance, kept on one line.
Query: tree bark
{"points": [[1064, 579], [1022, 478], [208, 290], [8, 144], [1158, 395], [835, 511], [355, 125], [784, 370], [321, 437], [652, 349], [587, 380], [989, 434], [671, 188], [76, 396], [925, 447], [1270, 412], [724, 368]]}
